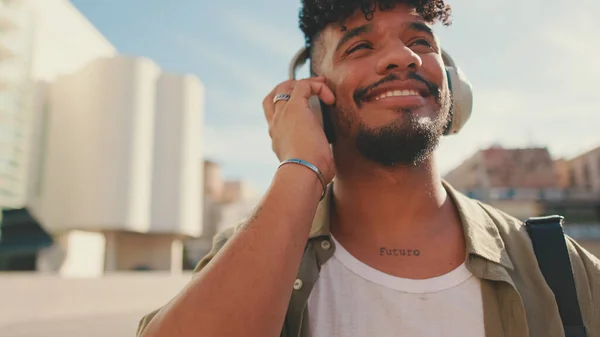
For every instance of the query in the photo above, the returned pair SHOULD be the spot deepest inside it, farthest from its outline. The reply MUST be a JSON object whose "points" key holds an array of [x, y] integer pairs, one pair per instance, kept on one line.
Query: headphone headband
{"points": [[448, 61], [298, 61]]}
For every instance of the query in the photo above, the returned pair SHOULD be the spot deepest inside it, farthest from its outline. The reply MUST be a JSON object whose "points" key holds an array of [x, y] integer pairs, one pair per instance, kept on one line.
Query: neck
{"points": [[372, 202]]}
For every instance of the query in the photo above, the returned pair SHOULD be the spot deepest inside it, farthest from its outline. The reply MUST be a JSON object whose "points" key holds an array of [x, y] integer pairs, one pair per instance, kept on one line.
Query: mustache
{"points": [[360, 93]]}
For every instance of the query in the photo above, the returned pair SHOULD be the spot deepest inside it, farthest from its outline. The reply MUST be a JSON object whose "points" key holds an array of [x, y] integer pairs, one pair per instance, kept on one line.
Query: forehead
{"points": [[399, 16], [400, 12]]}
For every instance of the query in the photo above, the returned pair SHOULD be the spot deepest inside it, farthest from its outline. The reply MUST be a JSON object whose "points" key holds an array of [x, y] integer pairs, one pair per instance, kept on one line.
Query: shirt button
{"points": [[298, 284], [325, 244]]}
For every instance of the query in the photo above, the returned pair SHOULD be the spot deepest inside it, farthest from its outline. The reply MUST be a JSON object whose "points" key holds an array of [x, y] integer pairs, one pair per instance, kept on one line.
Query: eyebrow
{"points": [[352, 33], [420, 27], [357, 31]]}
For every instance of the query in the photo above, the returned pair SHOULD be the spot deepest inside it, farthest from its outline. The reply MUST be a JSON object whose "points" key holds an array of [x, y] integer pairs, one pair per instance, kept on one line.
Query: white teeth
{"points": [[397, 93]]}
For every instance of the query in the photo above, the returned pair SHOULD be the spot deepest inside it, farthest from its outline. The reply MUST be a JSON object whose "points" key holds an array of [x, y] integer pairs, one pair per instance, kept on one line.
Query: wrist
{"points": [[303, 174]]}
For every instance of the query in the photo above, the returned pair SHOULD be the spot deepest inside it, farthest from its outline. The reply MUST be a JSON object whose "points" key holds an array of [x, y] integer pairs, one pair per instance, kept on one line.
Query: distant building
{"points": [[226, 204], [510, 179], [579, 178], [584, 174], [581, 205], [528, 182]]}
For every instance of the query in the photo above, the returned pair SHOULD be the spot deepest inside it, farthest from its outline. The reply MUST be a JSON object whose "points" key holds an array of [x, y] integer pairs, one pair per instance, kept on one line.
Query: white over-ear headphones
{"points": [[460, 88], [462, 95]]}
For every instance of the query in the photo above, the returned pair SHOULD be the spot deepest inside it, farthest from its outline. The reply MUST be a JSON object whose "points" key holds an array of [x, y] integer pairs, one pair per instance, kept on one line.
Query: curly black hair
{"points": [[317, 14]]}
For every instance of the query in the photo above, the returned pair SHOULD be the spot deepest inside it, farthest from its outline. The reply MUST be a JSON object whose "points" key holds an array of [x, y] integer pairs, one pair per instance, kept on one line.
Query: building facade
{"points": [[225, 204], [130, 136], [528, 182], [584, 173], [177, 182], [514, 180], [16, 90], [112, 178]]}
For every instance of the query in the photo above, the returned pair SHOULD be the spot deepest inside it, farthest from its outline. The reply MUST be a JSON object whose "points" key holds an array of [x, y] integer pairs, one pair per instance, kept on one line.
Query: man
{"points": [[391, 250]]}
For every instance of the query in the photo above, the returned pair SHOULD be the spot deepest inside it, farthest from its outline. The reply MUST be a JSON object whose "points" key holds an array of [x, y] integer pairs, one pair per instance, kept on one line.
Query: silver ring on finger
{"points": [[281, 97]]}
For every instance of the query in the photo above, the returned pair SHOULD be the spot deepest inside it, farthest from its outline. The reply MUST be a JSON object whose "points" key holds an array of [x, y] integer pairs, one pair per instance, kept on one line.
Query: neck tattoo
{"points": [[399, 252]]}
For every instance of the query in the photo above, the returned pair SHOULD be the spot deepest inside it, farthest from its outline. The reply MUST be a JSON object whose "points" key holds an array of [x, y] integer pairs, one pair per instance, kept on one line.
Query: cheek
{"points": [[433, 69], [345, 110], [343, 96], [437, 74], [344, 83]]}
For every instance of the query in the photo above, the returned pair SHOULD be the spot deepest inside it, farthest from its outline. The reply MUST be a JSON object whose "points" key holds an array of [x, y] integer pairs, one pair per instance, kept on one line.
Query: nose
{"points": [[398, 58]]}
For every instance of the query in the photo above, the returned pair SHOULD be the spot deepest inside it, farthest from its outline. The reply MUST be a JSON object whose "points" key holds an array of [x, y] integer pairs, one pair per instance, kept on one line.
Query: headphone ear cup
{"points": [[315, 105], [327, 123], [462, 99]]}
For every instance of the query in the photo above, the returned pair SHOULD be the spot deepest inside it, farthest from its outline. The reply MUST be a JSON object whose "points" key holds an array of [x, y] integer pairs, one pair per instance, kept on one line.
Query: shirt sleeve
{"points": [[219, 241]]}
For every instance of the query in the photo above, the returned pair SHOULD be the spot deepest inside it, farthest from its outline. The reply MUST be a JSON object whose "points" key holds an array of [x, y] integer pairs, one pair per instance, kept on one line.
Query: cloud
{"points": [[239, 144], [234, 107], [239, 69], [575, 47], [272, 39]]}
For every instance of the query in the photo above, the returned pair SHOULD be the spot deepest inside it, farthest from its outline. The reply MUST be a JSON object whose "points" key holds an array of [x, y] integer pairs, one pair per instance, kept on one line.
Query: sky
{"points": [[534, 66]]}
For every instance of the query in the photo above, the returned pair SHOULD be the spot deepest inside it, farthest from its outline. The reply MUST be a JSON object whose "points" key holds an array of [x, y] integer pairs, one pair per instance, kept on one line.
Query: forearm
{"points": [[245, 290]]}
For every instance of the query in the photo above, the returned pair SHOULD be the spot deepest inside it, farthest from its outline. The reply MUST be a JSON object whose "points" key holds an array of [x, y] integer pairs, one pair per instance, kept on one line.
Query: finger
{"points": [[289, 84], [316, 78], [286, 88], [268, 106], [306, 88]]}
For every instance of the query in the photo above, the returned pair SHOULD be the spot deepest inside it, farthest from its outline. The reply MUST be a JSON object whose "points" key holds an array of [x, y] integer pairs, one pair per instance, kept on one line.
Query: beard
{"points": [[407, 141]]}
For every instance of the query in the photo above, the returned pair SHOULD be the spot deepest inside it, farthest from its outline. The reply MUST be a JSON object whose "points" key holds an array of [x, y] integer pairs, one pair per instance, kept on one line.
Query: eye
{"points": [[423, 42], [361, 45]]}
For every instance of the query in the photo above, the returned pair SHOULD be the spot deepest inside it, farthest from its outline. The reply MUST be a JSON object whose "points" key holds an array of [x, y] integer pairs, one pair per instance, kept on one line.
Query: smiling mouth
{"points": [[397, 93], [412, 88]]}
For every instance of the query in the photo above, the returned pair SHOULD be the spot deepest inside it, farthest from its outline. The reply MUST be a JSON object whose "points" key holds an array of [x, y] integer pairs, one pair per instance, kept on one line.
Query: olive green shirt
{"points": [[517, 302]]}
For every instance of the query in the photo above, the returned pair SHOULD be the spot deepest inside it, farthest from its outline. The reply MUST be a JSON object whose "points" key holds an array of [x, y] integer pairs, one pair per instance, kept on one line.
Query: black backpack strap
{"points": [[550, 248]]}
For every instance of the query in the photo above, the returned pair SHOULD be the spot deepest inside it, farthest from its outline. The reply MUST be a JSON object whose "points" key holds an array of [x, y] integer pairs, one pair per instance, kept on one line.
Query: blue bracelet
{"points": [[310, 166]]}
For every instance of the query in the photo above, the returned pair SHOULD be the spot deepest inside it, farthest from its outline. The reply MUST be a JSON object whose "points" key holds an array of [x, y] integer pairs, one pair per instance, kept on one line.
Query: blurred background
{"points": [[131, 131]]}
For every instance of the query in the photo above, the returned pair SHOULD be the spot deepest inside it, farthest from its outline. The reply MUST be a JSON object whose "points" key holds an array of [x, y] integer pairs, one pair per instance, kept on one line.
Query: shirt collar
{"points": [[481, 233]]}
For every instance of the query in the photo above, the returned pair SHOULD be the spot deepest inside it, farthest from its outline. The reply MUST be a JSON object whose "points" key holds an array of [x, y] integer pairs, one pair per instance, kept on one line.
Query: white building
{"points": [[39, 40], [121, 165], [16, 44], [114, 161], [177, 176], [64, 40]]}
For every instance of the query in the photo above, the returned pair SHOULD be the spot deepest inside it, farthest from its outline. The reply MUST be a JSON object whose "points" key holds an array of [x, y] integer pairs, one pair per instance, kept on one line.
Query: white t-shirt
{"points": [[351, 299]]}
